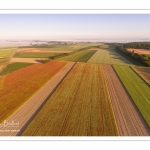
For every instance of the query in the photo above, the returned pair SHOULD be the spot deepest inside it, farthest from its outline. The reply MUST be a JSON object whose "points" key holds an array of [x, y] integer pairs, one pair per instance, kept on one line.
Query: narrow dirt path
{"points": [[129, 120], [27, 60], [19, 120]]}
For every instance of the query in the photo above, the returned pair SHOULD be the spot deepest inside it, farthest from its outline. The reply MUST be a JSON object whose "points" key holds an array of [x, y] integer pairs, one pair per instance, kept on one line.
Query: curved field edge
{"points": [[13, 67], [20, 85], [137, 88], [129, 120], [80, 106]]}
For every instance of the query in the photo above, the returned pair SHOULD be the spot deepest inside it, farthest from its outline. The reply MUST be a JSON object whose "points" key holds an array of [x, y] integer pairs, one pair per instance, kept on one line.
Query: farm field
{"points": [[20, 85], [26, 112], [65, 48], [144, 72], [81, 56], [5, 54], [108, 56], [137, 88], [82, 45], [38, 50], [139, 51], [13, 67], [106, 46], [129, 120], [51, 52], [133, 61], [80, 106], [34, 55], [72, 47], [27, 60]]}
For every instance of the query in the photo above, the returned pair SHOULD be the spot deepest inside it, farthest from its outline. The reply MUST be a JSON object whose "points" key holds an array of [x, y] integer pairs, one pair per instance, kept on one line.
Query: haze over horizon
{"points": [[105, 27]]}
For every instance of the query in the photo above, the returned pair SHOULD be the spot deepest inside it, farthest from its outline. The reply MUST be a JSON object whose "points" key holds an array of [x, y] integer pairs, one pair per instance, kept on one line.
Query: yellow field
{"points": [[80, 106]]}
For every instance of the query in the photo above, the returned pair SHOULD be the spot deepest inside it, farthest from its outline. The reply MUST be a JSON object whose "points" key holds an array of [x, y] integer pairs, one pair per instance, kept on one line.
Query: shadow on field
{"points": [[115, 55], [39, 60]]}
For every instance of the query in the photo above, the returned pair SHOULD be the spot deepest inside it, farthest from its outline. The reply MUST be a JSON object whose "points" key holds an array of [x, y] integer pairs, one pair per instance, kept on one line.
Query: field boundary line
{"points": [[46, 99], [110, 99]]}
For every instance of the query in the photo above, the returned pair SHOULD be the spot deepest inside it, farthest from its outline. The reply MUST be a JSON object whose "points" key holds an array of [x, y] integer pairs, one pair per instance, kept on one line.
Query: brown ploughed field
{"points": [[129, 120]]}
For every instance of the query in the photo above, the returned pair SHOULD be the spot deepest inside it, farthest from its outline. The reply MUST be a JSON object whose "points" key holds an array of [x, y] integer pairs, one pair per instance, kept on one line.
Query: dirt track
{"points": [[27, 60], [129, 120], [18, 121]]}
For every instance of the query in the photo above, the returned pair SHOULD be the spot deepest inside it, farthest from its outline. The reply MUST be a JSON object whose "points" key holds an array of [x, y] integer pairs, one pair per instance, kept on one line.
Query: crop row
{"points": [[129, 120], [80, 106]]}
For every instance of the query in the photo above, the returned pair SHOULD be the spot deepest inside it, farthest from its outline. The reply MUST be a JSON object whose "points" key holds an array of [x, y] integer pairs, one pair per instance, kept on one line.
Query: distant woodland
{"points": [[143, 58], [138, 45]]}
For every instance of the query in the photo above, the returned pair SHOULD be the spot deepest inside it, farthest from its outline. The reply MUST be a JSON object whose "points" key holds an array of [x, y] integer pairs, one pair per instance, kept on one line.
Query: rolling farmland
{"points": [[129, 120], [80, 106], [81, 56], [144, 72], [63, 48], [137, 88], [64, 98], [107, 56], [20, 85]]}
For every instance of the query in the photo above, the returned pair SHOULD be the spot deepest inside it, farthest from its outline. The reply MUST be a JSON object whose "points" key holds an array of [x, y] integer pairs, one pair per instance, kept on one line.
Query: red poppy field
{"points": [[19, 85]]}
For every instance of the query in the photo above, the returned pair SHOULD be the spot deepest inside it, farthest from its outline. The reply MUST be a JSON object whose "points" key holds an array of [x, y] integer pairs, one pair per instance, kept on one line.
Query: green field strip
{"points": [[81, 56], [137, 88]]}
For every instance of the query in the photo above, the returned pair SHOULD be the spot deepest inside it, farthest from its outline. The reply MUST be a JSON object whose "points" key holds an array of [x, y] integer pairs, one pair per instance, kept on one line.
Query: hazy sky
{"points": [[73, 26]]}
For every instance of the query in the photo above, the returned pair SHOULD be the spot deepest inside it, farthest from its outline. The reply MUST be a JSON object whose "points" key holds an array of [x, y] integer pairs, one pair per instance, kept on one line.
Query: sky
{"points": [[73, 26]]}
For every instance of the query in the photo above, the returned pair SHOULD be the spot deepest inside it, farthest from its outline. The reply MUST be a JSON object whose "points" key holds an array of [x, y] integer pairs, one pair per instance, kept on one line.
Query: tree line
{"points": [[138, 45], [143, 58]]}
